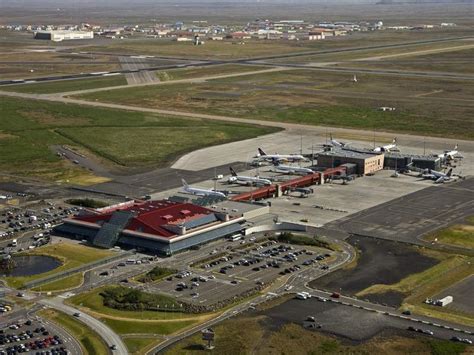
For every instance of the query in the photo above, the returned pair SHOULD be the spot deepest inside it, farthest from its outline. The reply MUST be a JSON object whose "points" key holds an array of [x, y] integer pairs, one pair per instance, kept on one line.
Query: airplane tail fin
{"points": [[185, 184], [394, 141], [232, 171], [261, 152], [456, 147], [449, 172]]}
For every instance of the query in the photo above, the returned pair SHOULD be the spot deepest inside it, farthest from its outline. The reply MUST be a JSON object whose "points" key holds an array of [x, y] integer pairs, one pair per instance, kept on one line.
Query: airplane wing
{"points": [[440, 180]]}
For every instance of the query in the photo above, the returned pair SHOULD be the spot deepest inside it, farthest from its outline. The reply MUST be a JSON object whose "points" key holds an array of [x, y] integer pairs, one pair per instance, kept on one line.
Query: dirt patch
{"points": [[4, 135], [380, 262], [390, 298]]}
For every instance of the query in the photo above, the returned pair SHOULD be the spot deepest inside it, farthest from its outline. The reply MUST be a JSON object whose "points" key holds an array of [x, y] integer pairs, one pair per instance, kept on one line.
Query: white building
{"points": [[58, 36]]}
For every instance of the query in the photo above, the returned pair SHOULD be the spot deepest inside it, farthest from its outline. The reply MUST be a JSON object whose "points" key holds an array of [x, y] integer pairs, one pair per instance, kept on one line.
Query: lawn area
{"points": [[319, 98], [90, 341], [460, 234], [256, 335], [29, 128], [203, 71], [146, 327], [67, 85], [93, 302], [137, 345], [71, 256], [67, 283], [156, 274]]}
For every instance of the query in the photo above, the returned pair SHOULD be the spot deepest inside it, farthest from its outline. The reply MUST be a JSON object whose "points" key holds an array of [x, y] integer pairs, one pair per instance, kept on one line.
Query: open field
{"points": [[313, 97], [66, 283], [32, 127], [67, 85], [70, 255], [137, 345], [147, 327], [91, 342], [460, 234], [203, 71], [262, 334], [459, 61]]}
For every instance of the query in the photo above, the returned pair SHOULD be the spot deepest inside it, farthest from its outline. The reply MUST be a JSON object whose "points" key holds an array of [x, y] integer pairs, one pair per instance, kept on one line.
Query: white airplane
{"points": [[388, 148], [280, 157], [437, 176], [200, 192], [354, 79], [451, 154], [336, 143], [247, 180], [288, 169]]}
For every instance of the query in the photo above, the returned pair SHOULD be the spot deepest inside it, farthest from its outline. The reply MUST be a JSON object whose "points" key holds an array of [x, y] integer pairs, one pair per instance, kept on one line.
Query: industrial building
{"points": [[367, 163], [58, 36], [163, 227], [400, 161]]}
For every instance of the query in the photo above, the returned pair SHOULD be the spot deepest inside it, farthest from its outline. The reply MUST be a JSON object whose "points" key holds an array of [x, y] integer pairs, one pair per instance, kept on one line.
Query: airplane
{"points": [[336, 143], [451, 154], [247, 180], [280, 157], [388, 148], [354, 79], [200, 192], [288, 169], [437, 176]]}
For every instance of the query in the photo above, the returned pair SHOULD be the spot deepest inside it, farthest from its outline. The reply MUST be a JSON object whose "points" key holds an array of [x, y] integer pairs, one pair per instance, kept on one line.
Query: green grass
{"points": [[29, 128], [147, 327], [157, 273], [197, 72], [318, 98], [459, 235], [94, 302], [67, 85], [69, 282], [446, 347], [71, 255], [136, 345], [90, 341]]}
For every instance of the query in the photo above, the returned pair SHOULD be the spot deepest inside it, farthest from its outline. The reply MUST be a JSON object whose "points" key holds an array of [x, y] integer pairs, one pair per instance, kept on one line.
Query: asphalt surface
{"points": [[463, 301], [409, 218]]}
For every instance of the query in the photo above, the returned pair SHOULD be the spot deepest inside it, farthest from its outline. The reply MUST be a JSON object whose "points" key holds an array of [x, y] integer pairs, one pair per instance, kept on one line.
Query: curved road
{"points": [[109, 336]]}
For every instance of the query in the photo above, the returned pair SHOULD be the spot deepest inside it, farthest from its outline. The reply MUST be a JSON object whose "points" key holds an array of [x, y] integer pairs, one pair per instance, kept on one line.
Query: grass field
{"points": [[67, 85], [197, 72], [137, 345], [67, 283], [29, 128], [460, 235], [146, 327], [320, 98], [90, 341], [254, 335], [92, 301], [71, 256]]}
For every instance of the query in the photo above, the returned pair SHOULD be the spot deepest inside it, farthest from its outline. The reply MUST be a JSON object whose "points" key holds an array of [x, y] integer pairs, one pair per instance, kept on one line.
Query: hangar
{"points": [[163, 227]]}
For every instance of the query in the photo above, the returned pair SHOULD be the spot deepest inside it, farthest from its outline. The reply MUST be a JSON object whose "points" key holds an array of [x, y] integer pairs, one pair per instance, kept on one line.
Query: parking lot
{"points": [[238, 271], [35, 337]]}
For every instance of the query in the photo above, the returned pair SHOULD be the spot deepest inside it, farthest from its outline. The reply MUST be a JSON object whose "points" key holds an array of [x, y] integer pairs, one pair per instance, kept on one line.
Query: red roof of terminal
{"points": [[151, 216]]}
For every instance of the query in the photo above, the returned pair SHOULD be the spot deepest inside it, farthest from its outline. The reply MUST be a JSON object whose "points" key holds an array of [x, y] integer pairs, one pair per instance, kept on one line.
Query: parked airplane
{"points": [[437, 176], [280, 157], [288, 169], [388, 148], [336, 143], [200, 192], [247, 180], [451, 154]]}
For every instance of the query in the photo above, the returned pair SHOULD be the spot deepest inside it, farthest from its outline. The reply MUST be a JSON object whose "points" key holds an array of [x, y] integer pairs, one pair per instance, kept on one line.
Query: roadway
{"points": [[109, 336]]}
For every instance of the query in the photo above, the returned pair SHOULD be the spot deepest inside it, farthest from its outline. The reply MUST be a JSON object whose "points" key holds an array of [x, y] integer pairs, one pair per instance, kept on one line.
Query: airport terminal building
{"points": [[163, 227], [58, 36]]}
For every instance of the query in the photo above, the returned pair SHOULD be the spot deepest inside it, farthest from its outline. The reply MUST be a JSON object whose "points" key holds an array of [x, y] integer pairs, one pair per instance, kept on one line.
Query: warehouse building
{"points": [[58, 36], [399, 161], [163, 227], [366, 163]]}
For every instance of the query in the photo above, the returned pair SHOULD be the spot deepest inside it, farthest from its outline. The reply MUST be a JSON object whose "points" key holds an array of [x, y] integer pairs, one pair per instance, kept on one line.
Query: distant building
{"points": [[316, 35], [58, 36]]}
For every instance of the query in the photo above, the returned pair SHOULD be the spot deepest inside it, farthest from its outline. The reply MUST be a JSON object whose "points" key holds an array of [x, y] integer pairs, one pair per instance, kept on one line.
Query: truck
{"points": [[14, 243]]}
